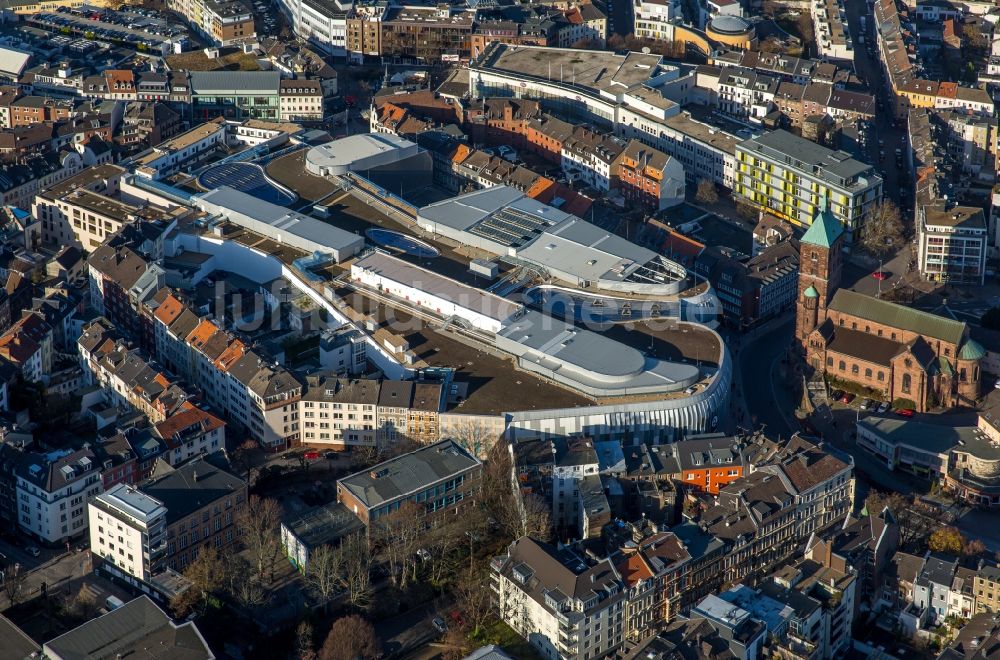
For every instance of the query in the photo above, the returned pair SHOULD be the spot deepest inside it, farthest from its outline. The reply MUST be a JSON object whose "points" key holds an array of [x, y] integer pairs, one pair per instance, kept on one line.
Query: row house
{"points": [[127, 377], [300, 100], [259, 396], [655, 574], [592, 157], [28, 347], [763, 516]]}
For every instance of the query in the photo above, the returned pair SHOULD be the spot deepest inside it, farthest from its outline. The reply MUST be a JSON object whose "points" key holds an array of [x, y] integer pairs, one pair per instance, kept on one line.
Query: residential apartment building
{"points": [[364, 30], [57, 216], [127, 376], [427, 34], [565, 607], [793, 178], [300, 100], [654, 19], [764, 515], [591, 157], [128, 534], [649, 177], [223, 22], [28, 347], [952, 243], [203, 502], [655, 573], [52, 493], [339, 413], [986, 586], [442, 478], [253, 393], [710, 461]]}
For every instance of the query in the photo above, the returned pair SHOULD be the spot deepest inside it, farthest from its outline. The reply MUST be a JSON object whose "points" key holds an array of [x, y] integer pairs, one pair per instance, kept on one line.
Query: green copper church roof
{"points": [[811, 292], [825, 228], [971, 350]]}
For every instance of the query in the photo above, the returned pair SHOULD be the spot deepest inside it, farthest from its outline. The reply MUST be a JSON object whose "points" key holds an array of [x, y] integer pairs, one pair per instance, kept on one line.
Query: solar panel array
{"points": [[511, 227]]}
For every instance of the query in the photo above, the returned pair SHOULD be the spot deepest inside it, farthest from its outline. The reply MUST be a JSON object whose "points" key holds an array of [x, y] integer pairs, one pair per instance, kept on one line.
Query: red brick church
{"points": [[901, 352]]}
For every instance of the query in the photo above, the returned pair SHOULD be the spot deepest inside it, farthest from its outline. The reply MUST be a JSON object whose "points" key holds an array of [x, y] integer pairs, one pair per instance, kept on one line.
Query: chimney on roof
{"points": [[195, 475]]}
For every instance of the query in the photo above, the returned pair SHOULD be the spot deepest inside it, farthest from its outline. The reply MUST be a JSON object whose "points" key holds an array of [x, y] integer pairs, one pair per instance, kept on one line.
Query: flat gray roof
{"points": [[584, 249], [226, 82], [407, 474], [132, 501], [588, 360], [933, 438], [276, 221], [462, 212], [835, 167], [394, 268], [596, 70]]}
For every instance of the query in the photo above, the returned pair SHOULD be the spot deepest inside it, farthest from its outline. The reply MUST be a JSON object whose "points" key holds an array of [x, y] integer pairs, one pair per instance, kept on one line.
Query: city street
{"points": [[763, 393]]}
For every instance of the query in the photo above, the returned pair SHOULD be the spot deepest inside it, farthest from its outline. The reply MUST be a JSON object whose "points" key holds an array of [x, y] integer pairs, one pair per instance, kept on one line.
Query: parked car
{"points": [[440, 625], [883, 407], [847, 398], [836, 395], [33, 551], [906, 412]]}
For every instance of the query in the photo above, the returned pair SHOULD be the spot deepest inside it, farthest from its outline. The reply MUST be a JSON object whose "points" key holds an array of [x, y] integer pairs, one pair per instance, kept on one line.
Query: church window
{"points": [[907, 383], [843, 365], [881, 375], [880, 332], [829, 362], [854, 369], [961, 374], [868, 373]]}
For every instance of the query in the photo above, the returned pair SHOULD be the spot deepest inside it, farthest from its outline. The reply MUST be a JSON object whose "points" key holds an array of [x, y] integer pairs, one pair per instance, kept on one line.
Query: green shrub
{"points": [[902, 402]]}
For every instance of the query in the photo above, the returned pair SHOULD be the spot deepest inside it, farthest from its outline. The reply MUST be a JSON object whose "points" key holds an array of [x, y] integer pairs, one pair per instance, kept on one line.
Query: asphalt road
{"points": [[767, 399]]}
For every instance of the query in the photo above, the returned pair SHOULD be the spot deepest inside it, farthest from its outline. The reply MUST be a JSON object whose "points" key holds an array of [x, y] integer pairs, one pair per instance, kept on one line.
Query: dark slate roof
{"points": [[409, 473], [139, 628], [15, 643], [864, 346], [190, 487]]}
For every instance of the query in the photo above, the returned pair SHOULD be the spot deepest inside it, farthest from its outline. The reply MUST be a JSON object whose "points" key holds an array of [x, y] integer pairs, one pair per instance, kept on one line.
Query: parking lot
{"points": [[140, 28]]}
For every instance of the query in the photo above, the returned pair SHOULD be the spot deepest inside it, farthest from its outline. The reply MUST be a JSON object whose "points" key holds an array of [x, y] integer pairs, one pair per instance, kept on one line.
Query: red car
{"points": [[880, 275], [906, 412], [847, 398]]}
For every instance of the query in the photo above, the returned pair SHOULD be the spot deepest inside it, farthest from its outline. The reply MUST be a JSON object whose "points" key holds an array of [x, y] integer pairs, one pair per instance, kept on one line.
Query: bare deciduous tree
{"points": [[13, 583], [351, 638], [707, 193], [258, 527], [476, 437], [248, 459], [883, 228], [325, 573], [357, 554], [399, 535], [473, 599], [207, 575], [242, 584]]}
